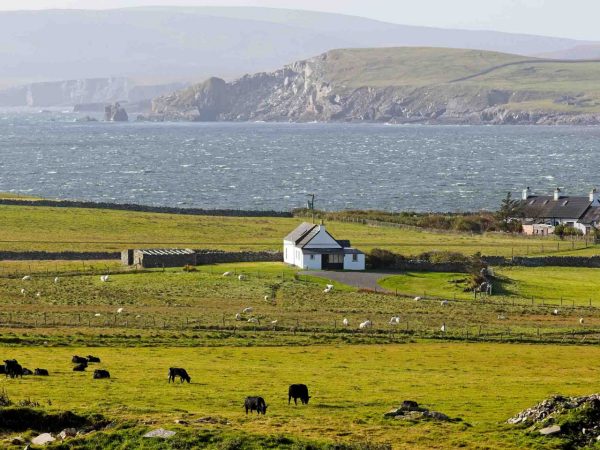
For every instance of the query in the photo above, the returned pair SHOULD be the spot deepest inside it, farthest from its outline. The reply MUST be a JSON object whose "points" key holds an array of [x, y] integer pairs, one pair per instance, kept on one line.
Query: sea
{"points": [[276, 166]]}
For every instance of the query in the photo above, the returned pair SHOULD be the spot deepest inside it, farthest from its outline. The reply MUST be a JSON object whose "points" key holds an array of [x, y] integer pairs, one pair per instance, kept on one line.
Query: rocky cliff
{"points": [[391, 87], [85, 92]]}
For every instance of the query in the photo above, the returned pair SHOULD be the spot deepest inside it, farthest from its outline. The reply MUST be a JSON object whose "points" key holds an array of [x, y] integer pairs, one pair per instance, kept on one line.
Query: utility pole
{"points": [[310, 204]]}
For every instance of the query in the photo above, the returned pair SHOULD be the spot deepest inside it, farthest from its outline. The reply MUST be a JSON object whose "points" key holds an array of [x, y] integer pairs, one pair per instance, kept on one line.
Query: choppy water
{"points": [[274, 166]]}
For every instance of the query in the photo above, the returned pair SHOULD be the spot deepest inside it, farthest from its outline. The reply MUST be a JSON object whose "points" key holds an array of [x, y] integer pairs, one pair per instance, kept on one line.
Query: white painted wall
{"points": [[311, 262], [323, 240], [289, 253], [359, 264]]}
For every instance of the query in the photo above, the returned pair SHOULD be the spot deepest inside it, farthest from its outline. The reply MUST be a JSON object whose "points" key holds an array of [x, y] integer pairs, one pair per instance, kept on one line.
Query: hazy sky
{"points": [[567, 18]]}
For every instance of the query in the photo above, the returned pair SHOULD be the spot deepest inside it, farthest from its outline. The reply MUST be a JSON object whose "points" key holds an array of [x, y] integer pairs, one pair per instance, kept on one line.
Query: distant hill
{"points": [[165, 44], [401, 85]]}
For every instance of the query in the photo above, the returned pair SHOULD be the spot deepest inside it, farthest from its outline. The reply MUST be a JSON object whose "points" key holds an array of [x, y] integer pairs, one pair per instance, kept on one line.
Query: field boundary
{"points": [[147, 208]]}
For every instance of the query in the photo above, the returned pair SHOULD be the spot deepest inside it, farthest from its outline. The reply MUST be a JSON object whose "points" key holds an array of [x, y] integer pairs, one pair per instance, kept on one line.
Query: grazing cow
{"points": [[41, 372], [93, 359], [100, 373], [25, 371], [12, 368], [298, 391], [255, 404], [80, 367], [178, 372], [79, 360], [2, 369]]}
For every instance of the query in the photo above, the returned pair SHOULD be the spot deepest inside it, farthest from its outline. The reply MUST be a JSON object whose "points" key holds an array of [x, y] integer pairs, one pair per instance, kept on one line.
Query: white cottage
{"points": [[311, 247]]}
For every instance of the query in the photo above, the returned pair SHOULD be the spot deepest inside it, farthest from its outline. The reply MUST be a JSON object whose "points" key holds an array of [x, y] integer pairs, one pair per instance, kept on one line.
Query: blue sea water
{"points": [[274, 166]]}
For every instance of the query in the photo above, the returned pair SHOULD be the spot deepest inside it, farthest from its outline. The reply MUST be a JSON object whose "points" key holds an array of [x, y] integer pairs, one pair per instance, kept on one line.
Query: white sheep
{"points": [[417, 299], [120, 310], [26, 278], [365, 324], [274, 322], [345, 322], [247, 310], [97, 315], [38, 294], [238, 316], [501, 317], [226, 274], [104, 278], [395, 320], [581, 321], [23, 292], [443, 327], [444, 303], [253, 320], [138, 316], [556, 312], [242, 277], [56, 279], [267, 298]]}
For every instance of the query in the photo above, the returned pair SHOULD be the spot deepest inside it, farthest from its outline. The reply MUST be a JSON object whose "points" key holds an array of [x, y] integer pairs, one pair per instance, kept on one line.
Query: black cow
{"points": [[80, 367], [100, 373], [41, 372], [12, 368], [26, 371], [298, 391], [255, 404], [79, 360], [2, 369], [93, 359], [178, 372]]}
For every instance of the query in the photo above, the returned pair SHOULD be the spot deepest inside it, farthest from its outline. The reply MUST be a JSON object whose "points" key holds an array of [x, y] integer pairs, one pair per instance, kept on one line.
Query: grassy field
{"points": [[578, 285], [351, 388], [199, 308], [59, 229]]}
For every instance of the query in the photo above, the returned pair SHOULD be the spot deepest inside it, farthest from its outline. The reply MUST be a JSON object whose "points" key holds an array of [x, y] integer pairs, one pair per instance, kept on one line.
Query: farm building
{"points": [[311, 247], [543, 212], [159, 257]]}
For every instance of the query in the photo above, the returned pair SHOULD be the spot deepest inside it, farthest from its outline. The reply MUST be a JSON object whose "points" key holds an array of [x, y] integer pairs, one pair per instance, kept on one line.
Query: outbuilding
{"points": [[311, 247]]}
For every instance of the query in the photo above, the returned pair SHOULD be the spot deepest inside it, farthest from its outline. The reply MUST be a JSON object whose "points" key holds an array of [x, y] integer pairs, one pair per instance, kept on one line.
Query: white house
{"points": [[543, 212], [311, 247]]}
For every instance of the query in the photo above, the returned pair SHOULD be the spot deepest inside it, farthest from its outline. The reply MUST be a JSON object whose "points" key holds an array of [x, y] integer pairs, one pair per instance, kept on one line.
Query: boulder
{"points": [[160, 433], [554, 429], [67, 433], [43, 439]]}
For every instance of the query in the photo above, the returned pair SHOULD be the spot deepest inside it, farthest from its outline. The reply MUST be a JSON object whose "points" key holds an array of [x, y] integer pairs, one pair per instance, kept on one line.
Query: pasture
{"points": [[351, 388], [59, 229], [174, 307]]}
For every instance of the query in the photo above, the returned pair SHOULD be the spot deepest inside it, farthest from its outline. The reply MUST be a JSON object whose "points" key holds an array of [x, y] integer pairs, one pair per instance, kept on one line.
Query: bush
{"points": [[379, 258]]}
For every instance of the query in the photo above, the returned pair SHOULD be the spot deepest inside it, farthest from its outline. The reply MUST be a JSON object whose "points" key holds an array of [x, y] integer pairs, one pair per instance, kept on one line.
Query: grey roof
{"points": [[166, 251], [545, 207], [301, 230], [592, 215]]}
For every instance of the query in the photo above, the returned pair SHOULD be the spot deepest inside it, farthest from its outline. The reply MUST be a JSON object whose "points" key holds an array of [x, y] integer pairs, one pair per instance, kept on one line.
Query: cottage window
{"points": [[354, 257], [312, 256]]}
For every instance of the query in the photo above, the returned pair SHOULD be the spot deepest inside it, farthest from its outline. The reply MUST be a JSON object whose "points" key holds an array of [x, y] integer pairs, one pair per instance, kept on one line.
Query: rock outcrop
{"points": [[115, 113], [307, 91], [575, 420]]}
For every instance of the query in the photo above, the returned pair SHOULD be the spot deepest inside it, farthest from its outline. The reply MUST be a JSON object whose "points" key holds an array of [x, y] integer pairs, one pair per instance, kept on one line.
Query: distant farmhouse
{"points": [[543, 212], [311, 247]]}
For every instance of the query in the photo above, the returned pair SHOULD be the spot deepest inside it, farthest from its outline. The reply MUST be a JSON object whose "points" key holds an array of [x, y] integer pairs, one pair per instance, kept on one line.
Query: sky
{"points": [[564, 18]]}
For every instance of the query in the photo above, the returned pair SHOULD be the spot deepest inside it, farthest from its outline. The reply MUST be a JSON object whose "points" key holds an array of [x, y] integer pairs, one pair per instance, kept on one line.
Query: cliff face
{"points": [[307, 91], [85, 91]]}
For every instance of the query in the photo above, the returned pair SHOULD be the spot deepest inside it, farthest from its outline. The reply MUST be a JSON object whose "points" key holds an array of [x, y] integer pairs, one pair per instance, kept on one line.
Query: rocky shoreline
{"points": [[303, 92]]}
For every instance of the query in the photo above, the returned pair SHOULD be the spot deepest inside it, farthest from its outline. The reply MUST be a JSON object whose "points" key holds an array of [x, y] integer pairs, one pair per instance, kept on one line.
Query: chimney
{"points": [[557, 194], [526, 193], [594, 195]]}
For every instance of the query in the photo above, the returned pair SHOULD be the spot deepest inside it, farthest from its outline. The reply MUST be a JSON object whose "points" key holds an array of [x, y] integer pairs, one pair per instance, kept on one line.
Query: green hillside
{"points": [[408, 66]]}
